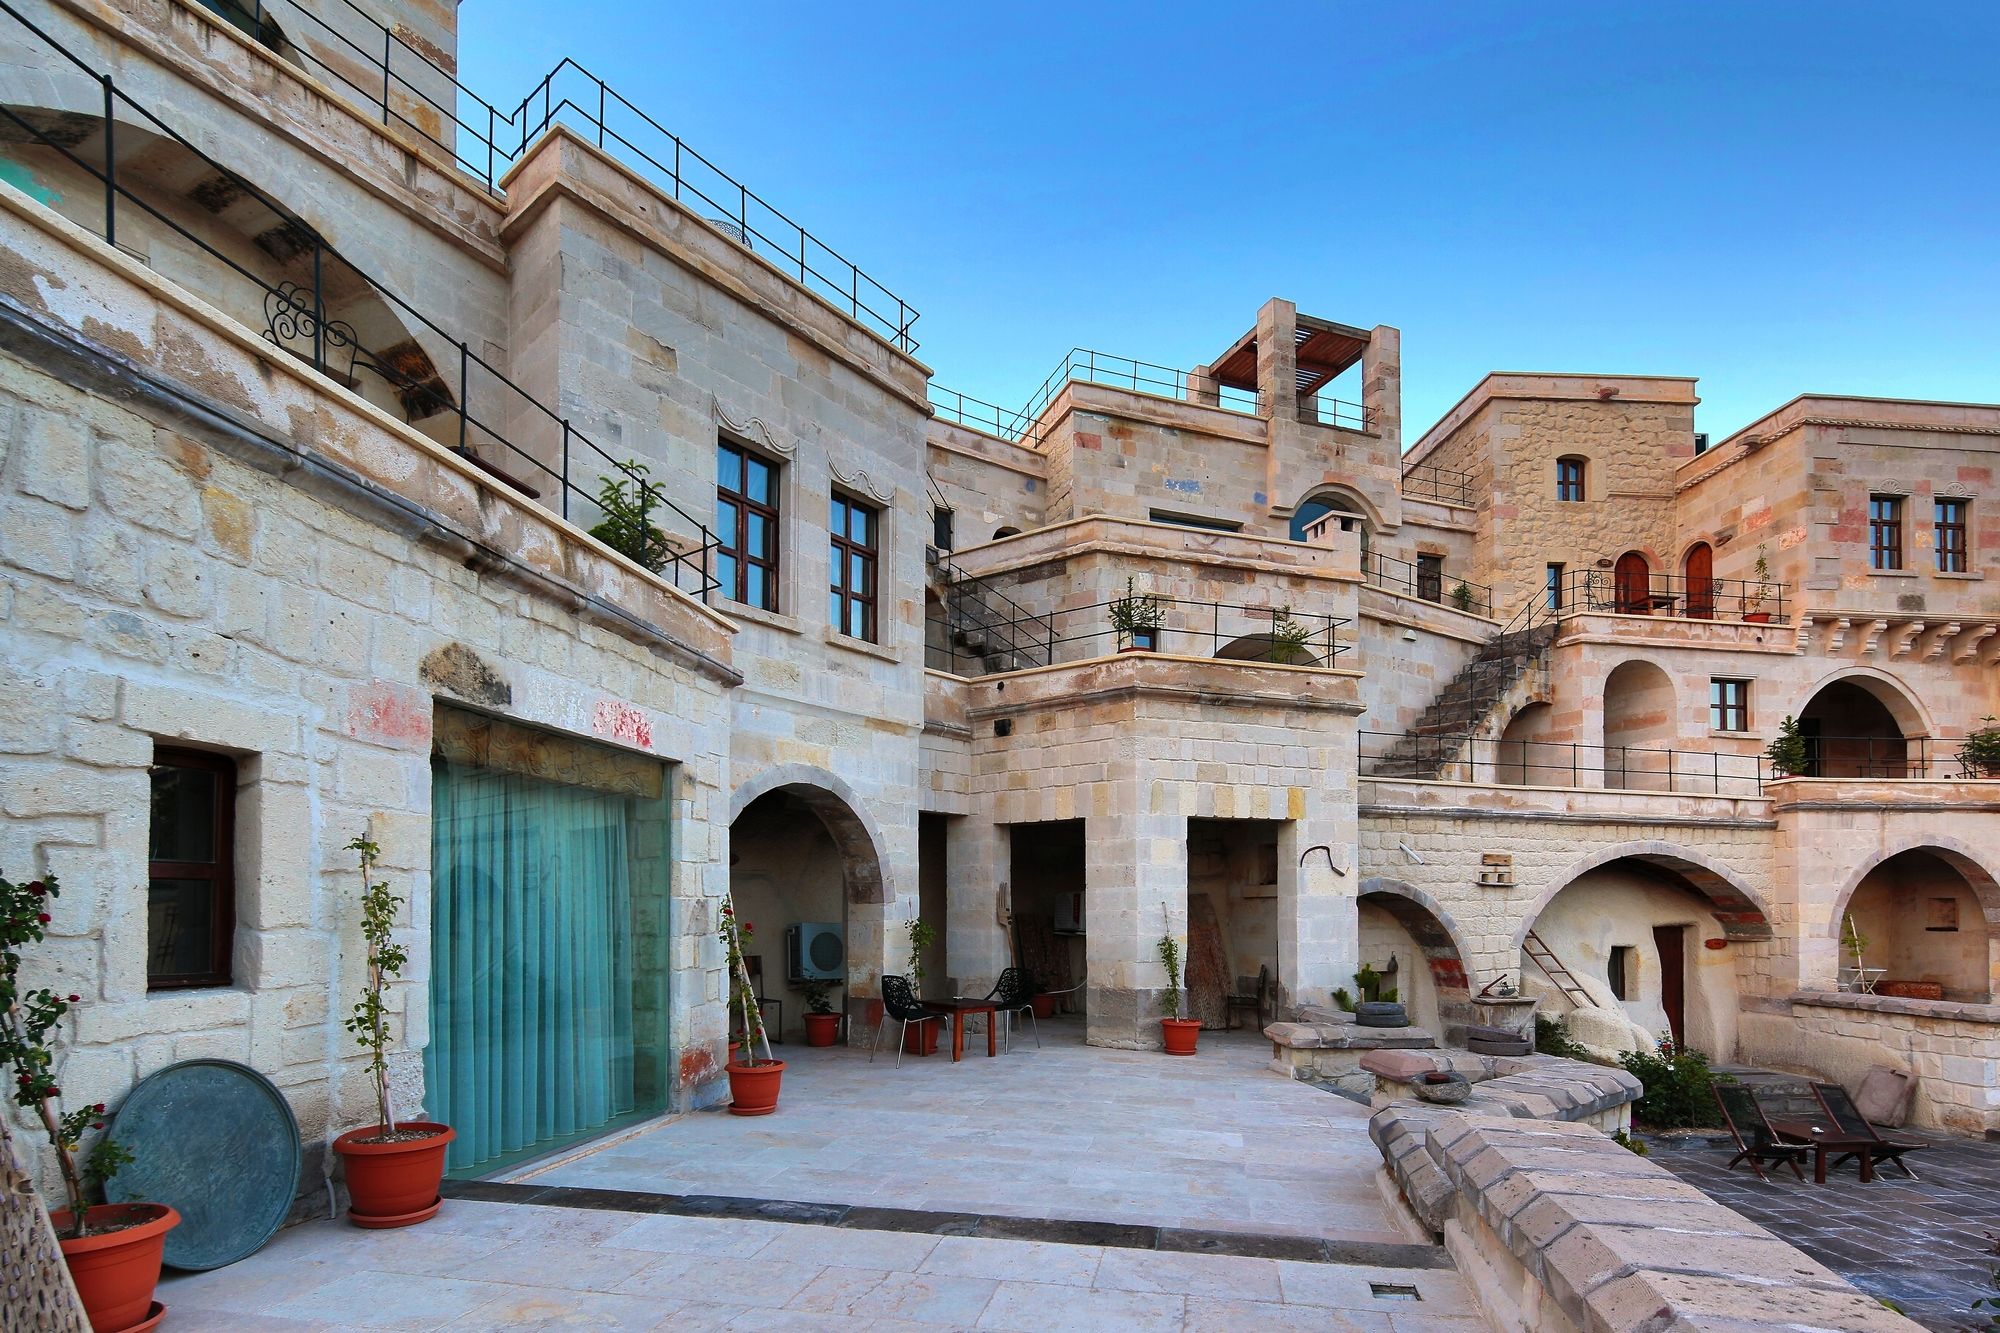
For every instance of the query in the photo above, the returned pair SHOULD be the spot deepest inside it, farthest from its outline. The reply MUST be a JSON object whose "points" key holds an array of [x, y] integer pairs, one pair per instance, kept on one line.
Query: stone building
{"points": [[514, 488]]}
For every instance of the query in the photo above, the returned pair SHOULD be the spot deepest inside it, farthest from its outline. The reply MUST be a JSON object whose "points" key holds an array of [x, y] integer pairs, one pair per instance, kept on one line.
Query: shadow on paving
{"points": [[1923, 1244]]}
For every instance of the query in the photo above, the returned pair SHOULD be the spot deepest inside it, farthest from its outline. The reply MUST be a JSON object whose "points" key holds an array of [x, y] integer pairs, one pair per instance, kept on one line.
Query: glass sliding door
{"points": [[549, 893]]}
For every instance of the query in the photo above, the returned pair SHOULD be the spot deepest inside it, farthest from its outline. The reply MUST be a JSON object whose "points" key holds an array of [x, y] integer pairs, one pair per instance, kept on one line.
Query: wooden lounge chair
{"points": [[1740, 1112], [1841, 1110]]}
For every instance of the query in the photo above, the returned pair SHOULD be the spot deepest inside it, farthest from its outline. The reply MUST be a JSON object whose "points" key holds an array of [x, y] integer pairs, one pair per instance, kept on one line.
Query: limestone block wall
{"points": [[204, 543], [1946, 1048], [1114, 451], [989, 483], [1410, 649]]}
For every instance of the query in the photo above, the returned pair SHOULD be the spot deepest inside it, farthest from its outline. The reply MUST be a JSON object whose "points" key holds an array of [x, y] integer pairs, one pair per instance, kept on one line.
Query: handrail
{"points": [[1428, 481], [1330, 411], [1122, 372], [1674, 596], [1004, 423], [1184, 622], [297, 321], [1410, 579]]}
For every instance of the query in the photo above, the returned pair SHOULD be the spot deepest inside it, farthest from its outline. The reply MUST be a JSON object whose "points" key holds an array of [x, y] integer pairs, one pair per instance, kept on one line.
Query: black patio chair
{"points": [[1741, 1111], [1012, 994], [900, 1003], [1841, 1108], [1254, 1000]]}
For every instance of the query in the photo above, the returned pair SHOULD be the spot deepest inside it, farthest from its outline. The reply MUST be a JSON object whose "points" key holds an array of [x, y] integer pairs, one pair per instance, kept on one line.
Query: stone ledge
{"points": [[1957, 1011], [1331, 1037]]}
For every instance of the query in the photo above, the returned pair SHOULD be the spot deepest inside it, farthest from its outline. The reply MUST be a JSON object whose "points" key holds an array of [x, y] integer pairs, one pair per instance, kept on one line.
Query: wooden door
{"points": [[1631, 585], [1671, 944], [1701, 582]]}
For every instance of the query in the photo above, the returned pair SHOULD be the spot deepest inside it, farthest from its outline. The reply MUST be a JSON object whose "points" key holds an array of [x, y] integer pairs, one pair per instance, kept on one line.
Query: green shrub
{"points": [[1552, 1038], [1788, 752], [1677, 1086], [1630, 1144]]}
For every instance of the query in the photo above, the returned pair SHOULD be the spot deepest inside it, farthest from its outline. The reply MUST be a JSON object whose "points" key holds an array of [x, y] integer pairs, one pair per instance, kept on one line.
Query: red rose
{"points": [[42, 917], [98, 1125], [74, 998], [99, 1108], [38, 888]]}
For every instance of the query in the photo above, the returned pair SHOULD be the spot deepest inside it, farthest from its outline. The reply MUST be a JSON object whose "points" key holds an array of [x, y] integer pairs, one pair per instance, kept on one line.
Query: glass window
{"points": [[1951, 530], [941, 528], [746, 525], [1430, 577], [1885, 532], [191, 876], [1554, 587], [1729, 705], [1569, 478], [851, 528]]}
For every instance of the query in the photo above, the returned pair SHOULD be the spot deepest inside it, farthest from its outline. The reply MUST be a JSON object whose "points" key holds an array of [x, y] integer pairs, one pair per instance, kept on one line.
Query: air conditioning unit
{"points": [[815, 951], [1069, 914]]}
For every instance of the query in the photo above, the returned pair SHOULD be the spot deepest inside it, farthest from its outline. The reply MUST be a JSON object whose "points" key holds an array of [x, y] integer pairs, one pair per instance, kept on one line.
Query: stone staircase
{"points": [[1439, 737], [982, 630]]}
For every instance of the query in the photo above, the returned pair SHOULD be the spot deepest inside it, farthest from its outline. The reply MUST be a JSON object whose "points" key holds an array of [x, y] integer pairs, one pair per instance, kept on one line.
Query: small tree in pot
{"points": [[1759, 592], [822, 1023], [1179, 1034], [112, 1249], [1291, 642], [1979, 755], [393, 1168], [1137, 618], [1788, 752], [753, 1082], [922, 1038]]}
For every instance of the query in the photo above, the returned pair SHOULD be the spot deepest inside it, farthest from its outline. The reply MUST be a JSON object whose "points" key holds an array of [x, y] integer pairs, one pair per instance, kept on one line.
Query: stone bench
{"points": [[1330, 1052]]}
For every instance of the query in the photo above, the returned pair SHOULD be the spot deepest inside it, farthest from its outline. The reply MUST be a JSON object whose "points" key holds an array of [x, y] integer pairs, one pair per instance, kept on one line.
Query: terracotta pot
{"points": [[921, 1038], [393, 1184], [753, 1089], [822, 1029], [115, 1272], [1757, 617], [1180, 1034], [1045, 1006]]}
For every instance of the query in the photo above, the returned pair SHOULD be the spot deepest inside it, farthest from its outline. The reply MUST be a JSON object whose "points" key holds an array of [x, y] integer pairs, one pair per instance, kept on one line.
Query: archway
{"points": [[1400, 921], [1632, 585], [1639, 726], [1858, 726], [1698, 570], [1928, 921], [1523, 757], [1346, 507]]}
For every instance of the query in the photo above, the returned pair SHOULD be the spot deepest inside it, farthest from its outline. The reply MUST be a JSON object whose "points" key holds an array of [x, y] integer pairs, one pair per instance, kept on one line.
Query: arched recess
{"points": [[1857, 724], [1436, 939], [1632, 584], [1355, 514], [840, 808], [1698, 581], [1267, 648], [1736, 906], [1890, 899], [1639, 726], [1524, 758]]}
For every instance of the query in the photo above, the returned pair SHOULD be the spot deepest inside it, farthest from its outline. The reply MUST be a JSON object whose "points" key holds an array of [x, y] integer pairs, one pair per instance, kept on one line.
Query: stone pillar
{"points": [[1135, 890], [1319, 926], [1382, 386], [1278, 360], [1201, 387], [978, 902]]}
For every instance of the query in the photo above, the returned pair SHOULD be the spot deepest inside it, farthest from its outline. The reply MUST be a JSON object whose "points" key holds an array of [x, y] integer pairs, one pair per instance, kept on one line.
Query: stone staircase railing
{"points": [[1438, 738]]}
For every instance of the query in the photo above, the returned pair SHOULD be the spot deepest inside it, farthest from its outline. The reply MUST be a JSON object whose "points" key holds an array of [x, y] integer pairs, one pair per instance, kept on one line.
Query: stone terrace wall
{"points": [[1950, 1049]]}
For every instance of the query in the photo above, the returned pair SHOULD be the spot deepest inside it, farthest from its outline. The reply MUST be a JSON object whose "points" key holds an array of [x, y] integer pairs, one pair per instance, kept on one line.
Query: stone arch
{"points": [[1967, 966], [1898, 698], [1640, 722], [1438, 937], [1333, 497], [1953, 852], [845, 815], [1734, 903]]}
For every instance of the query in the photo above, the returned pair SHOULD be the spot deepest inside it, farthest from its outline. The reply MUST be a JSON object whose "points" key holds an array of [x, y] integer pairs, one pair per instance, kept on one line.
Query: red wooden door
{"points": [[1701, 582], [1631, 580], [1671, 942]]}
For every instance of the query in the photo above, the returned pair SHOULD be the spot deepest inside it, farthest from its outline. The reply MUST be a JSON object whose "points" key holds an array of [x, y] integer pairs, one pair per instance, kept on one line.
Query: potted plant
{"points": [[822, 1024], [1378, 1006], [753, 1082], [628, 501], [1461, 596], [112, 1249], [393, 1167], [1290, 641], [1760, 591], [920, 1038], [1788, 752], [1979, 754], [1179, 1034], [1137, 618]]}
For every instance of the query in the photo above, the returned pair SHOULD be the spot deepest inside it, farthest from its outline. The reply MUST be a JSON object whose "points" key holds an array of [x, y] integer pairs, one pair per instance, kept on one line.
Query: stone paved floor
{"points": [[1068, 1131], [1921, 1243]]}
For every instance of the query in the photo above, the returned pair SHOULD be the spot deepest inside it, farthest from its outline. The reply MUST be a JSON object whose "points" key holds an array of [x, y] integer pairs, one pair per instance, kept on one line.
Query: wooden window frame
{"points": [[1552, 584], [1429, 577], [842, 549], [221, 873], [1885, 534], [734, 544], [1572, 474], [1954, 554], [1722, 709]]}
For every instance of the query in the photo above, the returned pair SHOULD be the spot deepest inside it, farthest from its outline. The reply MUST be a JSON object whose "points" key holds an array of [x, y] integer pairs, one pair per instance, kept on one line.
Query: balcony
{"points": [[1669, 596]]}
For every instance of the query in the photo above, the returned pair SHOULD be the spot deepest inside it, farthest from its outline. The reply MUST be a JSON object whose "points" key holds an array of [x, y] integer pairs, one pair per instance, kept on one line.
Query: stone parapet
{"points": [[1333, 1053]]}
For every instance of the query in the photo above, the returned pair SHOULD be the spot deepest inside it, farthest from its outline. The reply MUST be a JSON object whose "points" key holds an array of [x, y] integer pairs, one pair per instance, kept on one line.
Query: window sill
{"points": [[1965, 576], [1892, 573], [759, 616], [1718, 734], [836, 639]]}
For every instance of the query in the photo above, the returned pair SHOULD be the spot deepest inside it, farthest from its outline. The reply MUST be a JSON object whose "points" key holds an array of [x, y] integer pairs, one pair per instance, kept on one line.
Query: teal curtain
{"points": [[537, 989]]}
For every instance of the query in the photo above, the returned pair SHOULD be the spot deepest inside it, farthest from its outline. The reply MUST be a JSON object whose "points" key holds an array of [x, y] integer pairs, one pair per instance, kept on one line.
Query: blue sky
{"points": [[1778, 198]]}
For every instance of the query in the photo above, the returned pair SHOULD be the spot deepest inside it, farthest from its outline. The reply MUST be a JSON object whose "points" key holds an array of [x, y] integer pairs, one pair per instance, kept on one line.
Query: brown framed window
{"points": [[1729, 705], [854, 533], [1951, 529], [191, 871], [1885, 532], [746, 525], [1430, 577], [1569, 479]]}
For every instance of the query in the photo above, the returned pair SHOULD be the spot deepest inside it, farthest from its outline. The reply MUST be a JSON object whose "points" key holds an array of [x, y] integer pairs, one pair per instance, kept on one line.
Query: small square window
{"points": [[1569, 479], [1729, 705]]}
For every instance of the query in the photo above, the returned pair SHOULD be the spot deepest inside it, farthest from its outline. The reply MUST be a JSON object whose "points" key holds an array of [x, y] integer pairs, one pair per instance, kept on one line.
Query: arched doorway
{"points": [[1632, 585], [1401, 923], [1926, 917], [1699, 572], [1859, 727], [1639, 727]]}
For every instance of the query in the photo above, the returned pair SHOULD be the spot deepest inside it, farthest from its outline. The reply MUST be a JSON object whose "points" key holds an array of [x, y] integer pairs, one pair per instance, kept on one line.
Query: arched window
{"points": [[1700, 570], [1323, 503], [1570, 478]]}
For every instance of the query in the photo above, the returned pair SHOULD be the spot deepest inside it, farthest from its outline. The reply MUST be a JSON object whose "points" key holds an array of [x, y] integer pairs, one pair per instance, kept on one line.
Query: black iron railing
{"points": [[1005, 423], [1326, 410], [1427, 481], [1923, 757], [487, 411], [1430, 583], [1187, 627], [1670, 595], [1122, 372]]}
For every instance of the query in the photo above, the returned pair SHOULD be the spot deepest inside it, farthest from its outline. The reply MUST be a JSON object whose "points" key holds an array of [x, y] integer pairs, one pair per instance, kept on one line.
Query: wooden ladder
{"points": [[1552, 968]]}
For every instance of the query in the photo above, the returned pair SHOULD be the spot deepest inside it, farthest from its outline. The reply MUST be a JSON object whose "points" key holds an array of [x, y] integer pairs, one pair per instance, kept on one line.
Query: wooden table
{"points": [[1824, 1140], [959, 1009]]}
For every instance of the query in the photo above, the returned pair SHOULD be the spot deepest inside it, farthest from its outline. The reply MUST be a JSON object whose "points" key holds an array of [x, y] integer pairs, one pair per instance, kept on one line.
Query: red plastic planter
{"points": [[921, 1038], [115, 1272], [753, 1089], [393, 1184], [822, 1029], [1180, 1034]]}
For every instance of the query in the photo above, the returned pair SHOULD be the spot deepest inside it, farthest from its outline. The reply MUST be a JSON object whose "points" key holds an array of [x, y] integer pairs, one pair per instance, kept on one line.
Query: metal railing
{"points": [[1670, 595], [1326, 410], [1428, 481], [1188, 627], [297, 320], [1004, 423], [573, 95], [1122, 372], [1931, 758], [1432, 585], [978, 621]]}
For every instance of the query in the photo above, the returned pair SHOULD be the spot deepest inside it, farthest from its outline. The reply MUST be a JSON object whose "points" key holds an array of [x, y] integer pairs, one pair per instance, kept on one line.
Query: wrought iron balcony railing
{"points": [[1670, 595], [1186, 627], [1427, 481]]}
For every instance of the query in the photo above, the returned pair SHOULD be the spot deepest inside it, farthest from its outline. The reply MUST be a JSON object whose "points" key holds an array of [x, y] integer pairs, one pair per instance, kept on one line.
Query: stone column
{"points": [[1318, 923], [1201, 387], [1382, 386], [979, 901], [1135, 890], [1278, 360]]}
